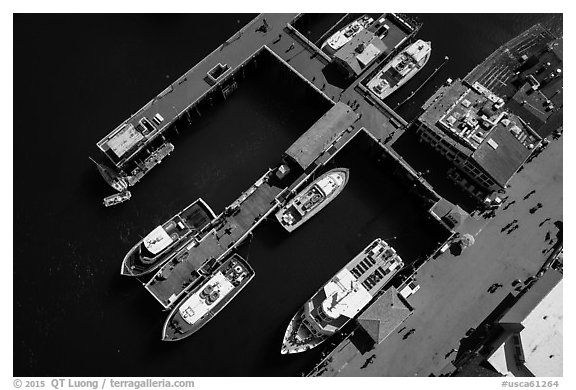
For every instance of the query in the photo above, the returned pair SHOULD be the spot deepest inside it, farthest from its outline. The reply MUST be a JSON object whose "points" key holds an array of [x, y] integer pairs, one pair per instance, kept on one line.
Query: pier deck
{"points": [[454, 288], [127, 140], [179, 274], [329, 133], [173, 102]]}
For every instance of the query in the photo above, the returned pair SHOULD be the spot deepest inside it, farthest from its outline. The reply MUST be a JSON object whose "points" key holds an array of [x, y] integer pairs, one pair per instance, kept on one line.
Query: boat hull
{"points": [[133, 265], [342, 298], [291, 227], [338, 41], [400, 83], [168, 332], [297, 339]]}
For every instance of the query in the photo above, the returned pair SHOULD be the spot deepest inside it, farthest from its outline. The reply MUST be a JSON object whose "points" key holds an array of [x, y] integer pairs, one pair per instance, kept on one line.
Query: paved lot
{"points": [[453, 295]]}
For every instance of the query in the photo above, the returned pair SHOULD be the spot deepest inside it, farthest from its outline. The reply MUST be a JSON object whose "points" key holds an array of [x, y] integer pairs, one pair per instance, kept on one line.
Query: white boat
{"points": [[159, 245], [401, 69], [117, 198], [208, 299], [342, 298], [345, 35], [312, 199]]}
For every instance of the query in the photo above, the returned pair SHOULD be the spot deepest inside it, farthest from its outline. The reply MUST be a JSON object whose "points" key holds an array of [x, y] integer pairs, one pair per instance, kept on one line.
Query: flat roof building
{"points": [[522, 337], [469, 126], [309, 146], [532, 341]]}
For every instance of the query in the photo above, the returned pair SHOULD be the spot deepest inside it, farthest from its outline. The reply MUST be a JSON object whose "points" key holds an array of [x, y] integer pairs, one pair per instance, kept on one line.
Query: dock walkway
{"points": [[227, 230], [323, 140], [191, 87], [184, 95], [453, 296]]}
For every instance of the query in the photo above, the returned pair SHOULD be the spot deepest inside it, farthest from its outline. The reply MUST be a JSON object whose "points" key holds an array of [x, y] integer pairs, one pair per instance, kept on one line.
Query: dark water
{"points": [[315, 26], [78, 77]]}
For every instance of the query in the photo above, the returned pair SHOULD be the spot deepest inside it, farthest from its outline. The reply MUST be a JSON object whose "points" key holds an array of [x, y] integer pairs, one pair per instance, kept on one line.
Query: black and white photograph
{"points": [[233, 193]]}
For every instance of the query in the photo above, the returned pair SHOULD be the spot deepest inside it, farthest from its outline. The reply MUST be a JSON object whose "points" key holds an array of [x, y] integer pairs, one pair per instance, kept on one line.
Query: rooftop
{"points": [[362, 49], [472, 120], [539, 311], [532, 59], [539, 97], [498, 70], [310, 145], [450, 214], [501, 153], [384, 315]]}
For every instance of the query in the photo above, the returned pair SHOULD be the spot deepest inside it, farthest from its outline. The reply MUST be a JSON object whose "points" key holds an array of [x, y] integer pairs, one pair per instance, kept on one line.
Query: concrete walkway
{"points": [[453, 295]]}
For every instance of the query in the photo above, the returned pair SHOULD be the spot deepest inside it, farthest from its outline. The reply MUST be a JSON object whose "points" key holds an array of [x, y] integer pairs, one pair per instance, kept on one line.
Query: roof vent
{"points": [[493, 143], [451, 120]]}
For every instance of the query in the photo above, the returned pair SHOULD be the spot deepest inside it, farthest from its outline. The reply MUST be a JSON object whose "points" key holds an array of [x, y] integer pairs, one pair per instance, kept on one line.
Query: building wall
{"points": [[467, 165]]}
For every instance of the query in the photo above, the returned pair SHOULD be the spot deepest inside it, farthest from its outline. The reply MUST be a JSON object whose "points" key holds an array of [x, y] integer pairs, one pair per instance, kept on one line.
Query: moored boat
{"points": [[157, 247], [342, 298], [113, 178], [401, 69], [345, 35], [117, 198], [207, 299], [313, 198]]}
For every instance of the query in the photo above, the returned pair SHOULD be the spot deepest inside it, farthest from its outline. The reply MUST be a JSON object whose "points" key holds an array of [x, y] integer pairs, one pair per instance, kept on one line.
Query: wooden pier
{"points": [[228, 230], [130, 143], [183, 271]]}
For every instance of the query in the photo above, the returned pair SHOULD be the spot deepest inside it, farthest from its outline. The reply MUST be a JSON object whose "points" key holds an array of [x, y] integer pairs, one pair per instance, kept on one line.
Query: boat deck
{"points": [[228, 230]]}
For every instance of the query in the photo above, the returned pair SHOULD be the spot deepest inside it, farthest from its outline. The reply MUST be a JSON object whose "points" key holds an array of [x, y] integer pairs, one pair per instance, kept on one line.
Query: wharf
{"points": [[453, 297], [217, 72], [190, 88], [527, 73], [150, 162], [228, 230], [310, 153]]}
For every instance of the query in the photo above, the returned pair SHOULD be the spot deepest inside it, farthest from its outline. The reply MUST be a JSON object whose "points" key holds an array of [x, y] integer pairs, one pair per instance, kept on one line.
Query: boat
{"points": [[157, 247], [401, 69], [117, 198], [342, 298], [312, 199], [345, 35], [207, 299], [114, 179]]}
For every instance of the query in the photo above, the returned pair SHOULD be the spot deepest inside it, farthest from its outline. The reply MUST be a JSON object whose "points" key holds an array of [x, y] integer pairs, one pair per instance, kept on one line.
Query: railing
{"points": [[308, 42], [169, 89]]}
